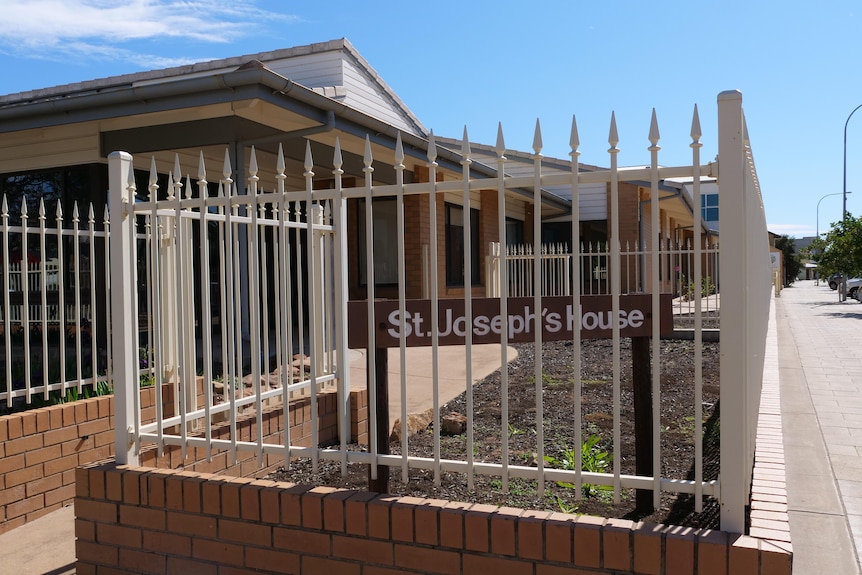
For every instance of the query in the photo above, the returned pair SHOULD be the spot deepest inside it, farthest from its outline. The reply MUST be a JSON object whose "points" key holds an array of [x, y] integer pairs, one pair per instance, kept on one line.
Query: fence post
{"points": [[318, 314], [123, 332], [733, 258], [492, 270]]}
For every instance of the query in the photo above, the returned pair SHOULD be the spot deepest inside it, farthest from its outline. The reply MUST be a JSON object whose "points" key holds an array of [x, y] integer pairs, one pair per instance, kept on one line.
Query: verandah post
{"points": [[123, 332], [733, 259]]}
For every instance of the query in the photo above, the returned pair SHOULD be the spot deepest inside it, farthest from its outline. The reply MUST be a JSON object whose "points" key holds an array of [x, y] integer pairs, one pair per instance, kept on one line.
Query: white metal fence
{"points": [[255, 262], [52, 276], [261, 251], [676, 261]]}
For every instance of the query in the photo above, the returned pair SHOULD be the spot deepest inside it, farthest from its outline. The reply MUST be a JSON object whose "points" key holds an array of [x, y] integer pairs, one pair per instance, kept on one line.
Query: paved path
{"points": [[820, 370], [45, 546]]}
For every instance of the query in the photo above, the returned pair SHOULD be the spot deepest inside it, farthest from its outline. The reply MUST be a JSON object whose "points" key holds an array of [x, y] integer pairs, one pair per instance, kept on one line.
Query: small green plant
{"points": [[566, 507], [513, 431], [589, 382], [593, 459], [549, 380], [707, 288], [87, 391]]}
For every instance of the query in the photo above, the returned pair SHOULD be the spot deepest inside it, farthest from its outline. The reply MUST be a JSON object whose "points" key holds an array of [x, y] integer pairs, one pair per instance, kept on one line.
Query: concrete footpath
{"points": [[820, 373], [45, 546]]}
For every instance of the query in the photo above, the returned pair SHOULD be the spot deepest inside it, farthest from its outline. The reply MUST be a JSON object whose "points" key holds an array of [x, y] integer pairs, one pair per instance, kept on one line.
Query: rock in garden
{"points": [[416, 422], [453, 423]]}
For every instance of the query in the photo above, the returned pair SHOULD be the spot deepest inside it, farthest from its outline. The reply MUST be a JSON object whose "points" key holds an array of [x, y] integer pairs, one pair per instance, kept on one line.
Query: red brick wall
{"points": [[39, 449], [132, 520]]}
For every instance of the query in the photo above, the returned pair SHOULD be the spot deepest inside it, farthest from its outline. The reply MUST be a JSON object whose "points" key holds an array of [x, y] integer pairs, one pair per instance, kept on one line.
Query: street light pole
{"points": [[842, 293], [844, 211], [818, 208], [817, 225]]}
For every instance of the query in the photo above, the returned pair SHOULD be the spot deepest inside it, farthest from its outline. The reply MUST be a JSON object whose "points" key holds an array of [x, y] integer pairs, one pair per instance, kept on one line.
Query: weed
{"points": [[589, 382], [566, 507], [549, 380], [513, 431], [593, 459]]}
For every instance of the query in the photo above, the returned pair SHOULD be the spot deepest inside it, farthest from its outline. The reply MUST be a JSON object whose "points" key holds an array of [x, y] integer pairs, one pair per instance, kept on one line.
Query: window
{"points": [[455, 246], [63, 186], [385, 242], [709, 207], [514, 232]]}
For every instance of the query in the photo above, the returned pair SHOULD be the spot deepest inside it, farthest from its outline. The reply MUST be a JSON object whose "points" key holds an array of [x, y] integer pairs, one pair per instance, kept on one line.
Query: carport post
{"points": [[123, 333]]}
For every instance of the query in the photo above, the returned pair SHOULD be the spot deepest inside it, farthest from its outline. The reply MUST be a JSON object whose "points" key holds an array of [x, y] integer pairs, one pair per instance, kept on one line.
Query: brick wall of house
{"points": [[489, 227], [40, 448], [133, 520]]}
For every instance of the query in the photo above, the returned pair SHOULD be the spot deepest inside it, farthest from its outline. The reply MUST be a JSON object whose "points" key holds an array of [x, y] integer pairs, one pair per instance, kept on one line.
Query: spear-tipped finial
{"points": [[226, 169], [280, 166], [367, 159], [695, 126], [574, 139], [537, 138], [654, 135], [252, 164], [202, 169], [337, 159], [309, 161], [432, 148], [154, 175], [613, 137], [399, 151]]}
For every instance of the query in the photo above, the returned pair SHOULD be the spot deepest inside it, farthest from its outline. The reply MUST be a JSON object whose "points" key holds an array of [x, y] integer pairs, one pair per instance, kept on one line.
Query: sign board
{"points": [[558, 318]]}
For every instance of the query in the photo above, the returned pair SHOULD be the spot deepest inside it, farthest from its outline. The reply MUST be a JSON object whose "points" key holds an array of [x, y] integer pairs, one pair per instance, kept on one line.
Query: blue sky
{"points": [[479, 63]]}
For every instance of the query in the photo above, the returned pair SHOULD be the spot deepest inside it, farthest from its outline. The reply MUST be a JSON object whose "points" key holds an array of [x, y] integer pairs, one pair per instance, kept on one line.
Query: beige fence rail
{"points": [[263, 252]]}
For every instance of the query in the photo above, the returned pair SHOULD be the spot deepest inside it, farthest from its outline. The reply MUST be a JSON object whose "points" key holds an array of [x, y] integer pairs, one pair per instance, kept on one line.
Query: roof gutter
{"points": [[96, 104]]}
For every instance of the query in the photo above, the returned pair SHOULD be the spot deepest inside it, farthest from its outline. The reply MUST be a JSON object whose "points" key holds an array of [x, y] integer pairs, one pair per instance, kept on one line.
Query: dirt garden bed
{"points": [[677, 425]]}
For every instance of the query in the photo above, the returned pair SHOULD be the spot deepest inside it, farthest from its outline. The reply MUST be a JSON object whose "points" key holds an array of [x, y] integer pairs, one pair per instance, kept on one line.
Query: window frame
{"points": [[451, 232]]}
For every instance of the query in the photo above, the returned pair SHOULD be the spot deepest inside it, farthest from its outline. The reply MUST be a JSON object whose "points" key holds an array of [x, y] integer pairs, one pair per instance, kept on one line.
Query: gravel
{"points": [[677, 432]]}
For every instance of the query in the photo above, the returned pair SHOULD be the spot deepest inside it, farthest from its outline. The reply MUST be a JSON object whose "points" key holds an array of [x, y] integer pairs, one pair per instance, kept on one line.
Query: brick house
{"points": [[675, 211]]}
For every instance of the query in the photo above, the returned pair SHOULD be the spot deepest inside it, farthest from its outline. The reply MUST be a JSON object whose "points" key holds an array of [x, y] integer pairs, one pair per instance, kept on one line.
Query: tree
{"points": [[792, 262], [841, 250]]}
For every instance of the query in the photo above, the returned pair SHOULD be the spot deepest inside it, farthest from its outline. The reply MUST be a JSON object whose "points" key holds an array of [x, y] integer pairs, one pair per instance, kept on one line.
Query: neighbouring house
{"points": [[803, 248], [676, 220]]}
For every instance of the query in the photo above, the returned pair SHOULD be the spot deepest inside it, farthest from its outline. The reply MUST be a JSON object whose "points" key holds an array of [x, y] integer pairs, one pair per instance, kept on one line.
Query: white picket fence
{"points": [[248, 222], [676, 261]]}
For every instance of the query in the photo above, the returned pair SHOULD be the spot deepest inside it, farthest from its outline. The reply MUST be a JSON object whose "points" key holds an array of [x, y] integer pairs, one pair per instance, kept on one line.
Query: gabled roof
{"points": [[306, 94], [332, 69]]}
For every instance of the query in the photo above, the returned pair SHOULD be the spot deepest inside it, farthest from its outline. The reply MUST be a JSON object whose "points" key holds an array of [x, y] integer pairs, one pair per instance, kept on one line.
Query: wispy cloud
{"points": [[103, 29]]}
